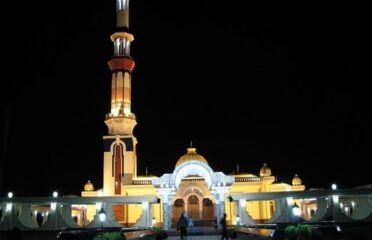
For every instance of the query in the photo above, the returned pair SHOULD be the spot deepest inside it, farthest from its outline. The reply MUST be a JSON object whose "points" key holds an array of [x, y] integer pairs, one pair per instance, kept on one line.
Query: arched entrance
{"points": [[195, 200], [178, 208], [193, 207], [189, 189], [208, 210]]}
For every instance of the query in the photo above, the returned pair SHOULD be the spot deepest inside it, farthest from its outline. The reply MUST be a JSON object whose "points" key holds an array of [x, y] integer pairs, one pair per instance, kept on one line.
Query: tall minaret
{"points": [[120, 161]]}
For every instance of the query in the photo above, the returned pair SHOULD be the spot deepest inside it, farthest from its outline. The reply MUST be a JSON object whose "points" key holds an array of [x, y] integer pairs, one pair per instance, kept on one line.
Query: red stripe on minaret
{"points": [[117, 64], [117, 169]]}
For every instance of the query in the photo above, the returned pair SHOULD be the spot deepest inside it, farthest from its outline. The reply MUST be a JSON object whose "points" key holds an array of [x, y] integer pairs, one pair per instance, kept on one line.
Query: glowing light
{"points": [[289, 200], [338, 228], [8, 207], [353, 204], [10, 194], [102, 216], [334, 186], [346, 209], [53, 206], [98, 206], [121, 4], [145, 205], [296, 210], [153, 222], [126, 110], [237, 219], [55, 194], [242, 202]]}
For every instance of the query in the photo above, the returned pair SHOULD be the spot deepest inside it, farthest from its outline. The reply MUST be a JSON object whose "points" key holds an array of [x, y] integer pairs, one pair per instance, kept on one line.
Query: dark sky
{"points": [[248, 84]]}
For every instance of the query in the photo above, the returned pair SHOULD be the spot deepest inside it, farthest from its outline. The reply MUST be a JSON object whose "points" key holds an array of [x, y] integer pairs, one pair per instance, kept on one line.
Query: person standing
{"points": [[191, 223], [224, 229], [182, 225]]}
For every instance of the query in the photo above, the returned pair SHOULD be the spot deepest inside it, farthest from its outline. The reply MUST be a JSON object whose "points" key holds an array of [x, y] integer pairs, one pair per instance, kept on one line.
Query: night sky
{"points": [[247, 84]]}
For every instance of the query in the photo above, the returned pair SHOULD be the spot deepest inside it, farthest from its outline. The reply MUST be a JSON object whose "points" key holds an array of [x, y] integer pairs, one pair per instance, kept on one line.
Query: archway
{"points": [[193, 177], [193, 168], [193, 207], [178, 208], [208, 209]]}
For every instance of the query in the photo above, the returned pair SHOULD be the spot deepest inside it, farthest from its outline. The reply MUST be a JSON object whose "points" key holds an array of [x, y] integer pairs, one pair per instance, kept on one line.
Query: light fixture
{"points": [[334, 186], [102, 216], [55, 194], [10, 194], [237, 220], [153, 221], [296, 210]]}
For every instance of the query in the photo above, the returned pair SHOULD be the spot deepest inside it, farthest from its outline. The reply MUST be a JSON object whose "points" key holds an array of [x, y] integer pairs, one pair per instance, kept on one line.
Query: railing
{"points": [[247, 179], [130, 116], [142, 182], [193, 180]]}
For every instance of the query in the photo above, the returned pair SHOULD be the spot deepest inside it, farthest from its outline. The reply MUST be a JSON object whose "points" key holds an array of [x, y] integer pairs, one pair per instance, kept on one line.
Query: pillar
{"points": [[167, 213]]}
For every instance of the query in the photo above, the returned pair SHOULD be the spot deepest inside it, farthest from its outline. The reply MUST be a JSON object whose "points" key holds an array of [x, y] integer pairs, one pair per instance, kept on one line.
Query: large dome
{"points": [[191, 155]]}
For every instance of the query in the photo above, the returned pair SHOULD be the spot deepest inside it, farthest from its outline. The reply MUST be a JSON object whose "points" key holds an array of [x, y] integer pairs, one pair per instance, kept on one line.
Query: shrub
{"points": [[301, 231], [160, 234], [109, 236]]}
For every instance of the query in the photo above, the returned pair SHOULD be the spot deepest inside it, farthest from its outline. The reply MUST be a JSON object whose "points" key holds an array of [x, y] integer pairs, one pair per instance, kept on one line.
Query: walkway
{"points": [[206, 233]]}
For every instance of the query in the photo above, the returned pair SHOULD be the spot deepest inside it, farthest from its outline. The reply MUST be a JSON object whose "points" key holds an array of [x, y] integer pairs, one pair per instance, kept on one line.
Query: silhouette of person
{"points": [[182, 225], [224, 229], [39, 218]]}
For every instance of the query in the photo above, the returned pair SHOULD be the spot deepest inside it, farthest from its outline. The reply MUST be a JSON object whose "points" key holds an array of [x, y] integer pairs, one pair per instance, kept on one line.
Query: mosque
{"points": [[193, 187]]}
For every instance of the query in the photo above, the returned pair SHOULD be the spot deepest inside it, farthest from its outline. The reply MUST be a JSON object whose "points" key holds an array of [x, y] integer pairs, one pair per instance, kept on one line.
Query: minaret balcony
{"points": [[130, 116], [120, 125]]}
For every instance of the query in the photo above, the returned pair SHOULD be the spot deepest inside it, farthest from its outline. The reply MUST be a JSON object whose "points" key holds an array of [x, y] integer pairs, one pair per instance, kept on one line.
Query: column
{"points": [[219, 207], [201, 209], [167, 213]]}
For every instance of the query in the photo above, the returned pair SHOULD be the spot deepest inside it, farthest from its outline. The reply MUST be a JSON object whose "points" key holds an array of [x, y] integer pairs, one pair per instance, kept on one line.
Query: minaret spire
{"points": [[120, 160], [121, 120]]}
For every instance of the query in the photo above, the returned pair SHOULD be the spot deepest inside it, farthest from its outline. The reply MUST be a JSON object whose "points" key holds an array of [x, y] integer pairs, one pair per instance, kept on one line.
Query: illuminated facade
{"points": [[193, 187]]}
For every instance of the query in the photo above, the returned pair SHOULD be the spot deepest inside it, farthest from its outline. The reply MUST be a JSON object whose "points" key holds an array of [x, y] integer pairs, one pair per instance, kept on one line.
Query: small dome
{"points": [[191, 155], [88, 186], [265, 171], [296, 181]]}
